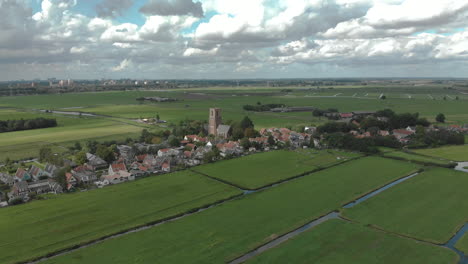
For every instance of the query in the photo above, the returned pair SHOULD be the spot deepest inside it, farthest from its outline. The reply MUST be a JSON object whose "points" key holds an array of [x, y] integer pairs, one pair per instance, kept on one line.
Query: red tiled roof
{"points": [[346, 115], [165, 165], [192, 146], [403, 131], [119, 167], [141, 157]]}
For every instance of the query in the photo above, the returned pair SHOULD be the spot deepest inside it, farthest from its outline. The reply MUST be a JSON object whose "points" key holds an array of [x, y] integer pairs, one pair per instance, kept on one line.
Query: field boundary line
{"points": [[127, 231], [273, 184]]}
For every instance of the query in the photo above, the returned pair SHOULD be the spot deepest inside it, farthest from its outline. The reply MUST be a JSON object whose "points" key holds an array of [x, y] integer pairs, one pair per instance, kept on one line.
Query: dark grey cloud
{"points": [[113, 8], [173, 8]]}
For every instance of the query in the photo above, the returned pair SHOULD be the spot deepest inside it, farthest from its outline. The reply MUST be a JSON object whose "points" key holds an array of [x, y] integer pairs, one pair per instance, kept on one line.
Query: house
{"points": [[168, 152], [50, 170], [230, 148], [115, 168], [39, 187], [346, 115], [362, 114], [384, 133], [140, 158], [85, 177], [19, 189], [116, 178], [309, 130], [55, 187], [35, 172], [190, 146], [22, 175], [411, 129], [126, 152], [7, 179], [71, 181], [166, 167], [95, 161], [194, 138], [402, 133]]}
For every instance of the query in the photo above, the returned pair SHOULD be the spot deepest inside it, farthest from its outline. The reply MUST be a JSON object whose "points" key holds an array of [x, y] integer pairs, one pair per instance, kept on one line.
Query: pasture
{"points": [[337, 241], [462, 244], [426, 160], [455, 153], [227, 231], [44, 226], [120, 108], [26, 144], [257, 170], [431, 206]]}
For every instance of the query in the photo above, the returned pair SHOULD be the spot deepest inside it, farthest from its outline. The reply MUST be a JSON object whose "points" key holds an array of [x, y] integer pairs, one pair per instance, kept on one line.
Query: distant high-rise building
{"points": [[214, 121]]}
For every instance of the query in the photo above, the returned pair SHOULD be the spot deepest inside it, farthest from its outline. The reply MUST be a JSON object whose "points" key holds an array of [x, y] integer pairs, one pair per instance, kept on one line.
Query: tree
{"points": [[173, 141], [91, 146], [440, 118], [61, 177], [271, 140], [45, 154], [78, 146], [80, 158], [246, 123], [249, 132], [245, 143], [105, 153], [383, 97], [157, 117]]}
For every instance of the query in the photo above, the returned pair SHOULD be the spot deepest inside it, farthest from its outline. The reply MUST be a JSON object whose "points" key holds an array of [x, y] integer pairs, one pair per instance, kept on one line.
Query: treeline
{"points": [[390, 120], [262, 107], [366, 145], [436, 138], [22, 124]]}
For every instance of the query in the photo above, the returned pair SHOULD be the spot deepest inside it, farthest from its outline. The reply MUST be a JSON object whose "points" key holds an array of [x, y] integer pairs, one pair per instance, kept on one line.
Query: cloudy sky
{"points": [[160, 39]]}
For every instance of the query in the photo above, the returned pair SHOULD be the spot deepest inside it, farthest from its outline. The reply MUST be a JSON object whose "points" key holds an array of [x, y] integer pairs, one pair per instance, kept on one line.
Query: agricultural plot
{"points": [[462, 244], [41, 227], [455, 153], [426, 160], [337, 241], [258, 170], [431, 206], [227, 231]]}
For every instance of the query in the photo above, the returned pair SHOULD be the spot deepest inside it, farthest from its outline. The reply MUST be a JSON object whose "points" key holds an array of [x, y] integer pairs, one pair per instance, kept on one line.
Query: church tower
{"points": [[214, 121]]}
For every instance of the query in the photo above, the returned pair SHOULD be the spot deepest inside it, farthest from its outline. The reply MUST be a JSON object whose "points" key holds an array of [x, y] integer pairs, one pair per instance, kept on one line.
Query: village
{"points": [[141, 159]]}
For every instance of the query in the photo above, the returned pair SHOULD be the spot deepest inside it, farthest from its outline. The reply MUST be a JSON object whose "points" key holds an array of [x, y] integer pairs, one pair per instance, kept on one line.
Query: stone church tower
{"points": [[214, 121]]}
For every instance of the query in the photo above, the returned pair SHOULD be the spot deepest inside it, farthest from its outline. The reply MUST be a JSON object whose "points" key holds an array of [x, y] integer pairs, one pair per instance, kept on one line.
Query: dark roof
{"points": [[223, 129]]}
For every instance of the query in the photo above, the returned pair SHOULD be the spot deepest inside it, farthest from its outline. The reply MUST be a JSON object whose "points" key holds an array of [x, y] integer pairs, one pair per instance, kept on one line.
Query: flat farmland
{"points": [[227, 231], [44, 226], [257, 170], [338, 241], [25, 144], [455, 153], [431, 206], [462, 244], [418, 158]]}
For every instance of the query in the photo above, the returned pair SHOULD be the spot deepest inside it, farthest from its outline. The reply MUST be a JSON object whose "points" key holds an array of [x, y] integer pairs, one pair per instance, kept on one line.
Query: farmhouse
{"points": [[95, 161]]}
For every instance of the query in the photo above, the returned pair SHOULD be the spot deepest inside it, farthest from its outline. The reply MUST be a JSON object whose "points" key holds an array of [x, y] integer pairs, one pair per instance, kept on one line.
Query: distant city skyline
{"points": [[242, 39]]}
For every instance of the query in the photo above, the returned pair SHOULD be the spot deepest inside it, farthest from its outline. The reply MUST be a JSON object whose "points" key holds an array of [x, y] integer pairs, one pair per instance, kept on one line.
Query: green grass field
{"points": [[418, 158], [337, 241], [431, 206], [455, 153], [258, 170], [40, 227], [121, 106], [462, 244], [225, 232]]}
